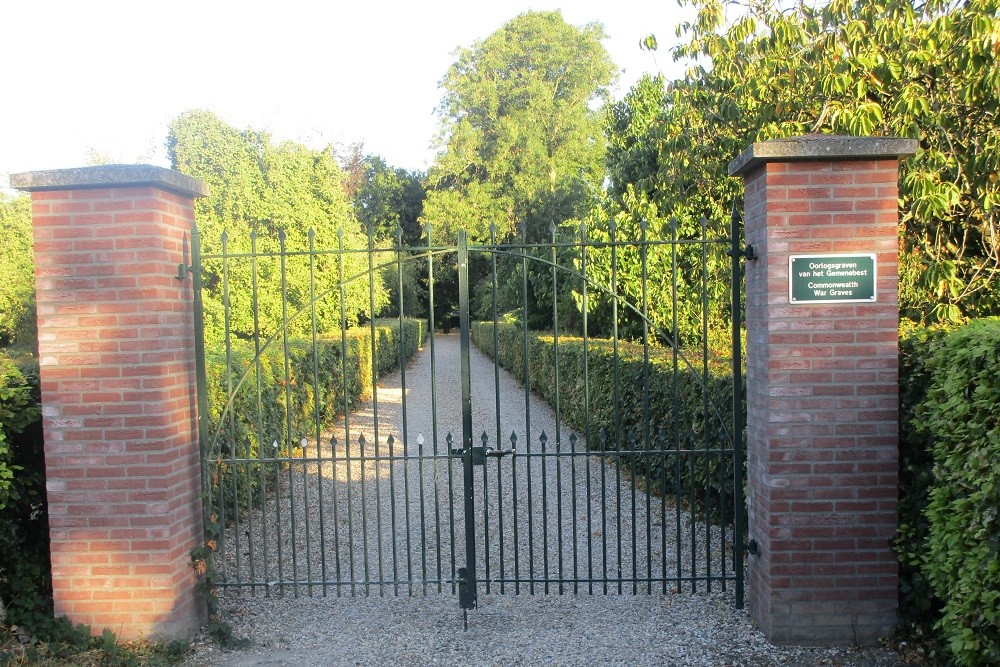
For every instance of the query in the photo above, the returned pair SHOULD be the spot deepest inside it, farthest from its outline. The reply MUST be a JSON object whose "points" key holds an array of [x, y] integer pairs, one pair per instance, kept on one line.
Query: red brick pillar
{"points": [[822, 385], [116, 350]]}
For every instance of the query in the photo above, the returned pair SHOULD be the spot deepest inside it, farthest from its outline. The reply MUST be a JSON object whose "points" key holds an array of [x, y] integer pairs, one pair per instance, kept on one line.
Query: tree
{"points": [[259, 192], [518, 122], [522, 145], [17, 272], [928, 71], [390, 202]]}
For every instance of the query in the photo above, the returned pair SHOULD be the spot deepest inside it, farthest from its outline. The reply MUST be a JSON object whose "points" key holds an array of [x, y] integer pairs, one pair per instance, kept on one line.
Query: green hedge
{"points": [[254, 421], [950, 496], [25, 578], [677, 404]]}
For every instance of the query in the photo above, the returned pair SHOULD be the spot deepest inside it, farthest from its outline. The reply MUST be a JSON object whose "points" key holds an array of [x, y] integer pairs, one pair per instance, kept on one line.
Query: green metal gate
{"points": [[611, 461]]}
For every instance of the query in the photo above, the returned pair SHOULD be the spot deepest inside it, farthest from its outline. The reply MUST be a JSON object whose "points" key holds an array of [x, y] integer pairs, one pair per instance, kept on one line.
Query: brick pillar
{"points": [[822, 385], [116, 351]]}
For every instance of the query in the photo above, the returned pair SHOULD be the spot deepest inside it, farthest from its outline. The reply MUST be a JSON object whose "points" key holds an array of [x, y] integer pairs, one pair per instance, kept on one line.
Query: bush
{"points": [[25, 579], [959, 418], [919, 607], [689, 408]]}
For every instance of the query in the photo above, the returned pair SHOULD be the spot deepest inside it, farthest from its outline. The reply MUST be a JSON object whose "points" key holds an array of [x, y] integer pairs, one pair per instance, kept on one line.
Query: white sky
{"points": [[104, 77]]}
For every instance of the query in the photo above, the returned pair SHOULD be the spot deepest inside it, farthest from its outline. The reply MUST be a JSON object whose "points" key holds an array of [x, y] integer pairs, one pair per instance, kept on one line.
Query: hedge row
{"points": [[661, 407], [270, 402], [949, 538]]}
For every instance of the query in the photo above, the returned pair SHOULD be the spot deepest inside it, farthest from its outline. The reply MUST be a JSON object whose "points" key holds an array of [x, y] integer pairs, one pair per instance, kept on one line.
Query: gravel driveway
{"points": [[383, 540]]}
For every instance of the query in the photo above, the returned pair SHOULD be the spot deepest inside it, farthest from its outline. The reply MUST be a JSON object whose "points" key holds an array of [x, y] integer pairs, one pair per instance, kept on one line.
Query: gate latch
{"points": [[479, 454]]}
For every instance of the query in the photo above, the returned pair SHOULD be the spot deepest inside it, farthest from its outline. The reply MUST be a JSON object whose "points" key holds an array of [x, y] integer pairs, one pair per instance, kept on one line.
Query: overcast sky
{"points": [[102, 78]]}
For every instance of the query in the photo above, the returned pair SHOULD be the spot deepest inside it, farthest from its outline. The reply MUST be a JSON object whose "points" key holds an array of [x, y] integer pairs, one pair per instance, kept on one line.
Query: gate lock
{"points": [[479, 454]]}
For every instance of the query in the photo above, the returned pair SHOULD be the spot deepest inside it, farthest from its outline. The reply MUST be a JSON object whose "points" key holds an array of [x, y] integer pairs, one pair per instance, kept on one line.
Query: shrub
{"points": [[960, 417], [25, 580], [919, 607], [687, 410]]}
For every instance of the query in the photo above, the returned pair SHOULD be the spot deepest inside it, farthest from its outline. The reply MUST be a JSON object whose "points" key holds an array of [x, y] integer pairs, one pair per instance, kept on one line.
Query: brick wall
{"points": [[118, 393], [822, 383]]}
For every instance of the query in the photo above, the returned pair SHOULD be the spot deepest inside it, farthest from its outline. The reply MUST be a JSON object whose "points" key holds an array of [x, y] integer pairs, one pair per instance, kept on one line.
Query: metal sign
{"points": [[831, 278]]}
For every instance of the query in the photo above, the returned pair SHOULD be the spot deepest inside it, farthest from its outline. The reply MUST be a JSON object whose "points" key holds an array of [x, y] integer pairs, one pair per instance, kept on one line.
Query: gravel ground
{"points": [[365, 516]]}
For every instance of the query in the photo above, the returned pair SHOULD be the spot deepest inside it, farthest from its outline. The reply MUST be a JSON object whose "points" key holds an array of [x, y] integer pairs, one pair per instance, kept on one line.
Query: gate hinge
{"points": [[746, 252], [183, 270]]}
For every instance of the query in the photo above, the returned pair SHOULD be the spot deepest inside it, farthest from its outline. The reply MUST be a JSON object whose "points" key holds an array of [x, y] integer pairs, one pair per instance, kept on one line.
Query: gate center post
{"points": [[467, 585]]}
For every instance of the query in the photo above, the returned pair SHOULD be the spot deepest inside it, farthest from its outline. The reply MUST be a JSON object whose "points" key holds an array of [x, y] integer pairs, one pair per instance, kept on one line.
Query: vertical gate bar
{"points": [[586, 411], [661, 445], [644, 264], [423, 510], [558, 433], [486, 514], [377, 462], [201, 379], [468, 593], [616, 374], [317, 434], [305, 507], [496, 397], [527, 404], [738, 512], [336, 512], [347, 408], [674, 395], [403, 439], [288, 416], [434, 430], [230, 422], [705, 402], [261, 439]]}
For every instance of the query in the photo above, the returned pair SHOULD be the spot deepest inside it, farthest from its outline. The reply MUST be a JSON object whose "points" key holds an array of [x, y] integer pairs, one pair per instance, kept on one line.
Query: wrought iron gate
{"points": [[616, 465]]}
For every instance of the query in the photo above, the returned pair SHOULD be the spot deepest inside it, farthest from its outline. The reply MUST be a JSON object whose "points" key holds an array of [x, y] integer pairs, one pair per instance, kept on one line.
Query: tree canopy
{"points": [[260, 191], [17, 271], [518, 124], [927, 71]]}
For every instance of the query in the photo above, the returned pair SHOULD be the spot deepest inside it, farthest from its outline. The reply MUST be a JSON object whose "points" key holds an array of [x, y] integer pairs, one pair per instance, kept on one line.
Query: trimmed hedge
{"points": [[256, 420], [677, 403], [950, 415]]}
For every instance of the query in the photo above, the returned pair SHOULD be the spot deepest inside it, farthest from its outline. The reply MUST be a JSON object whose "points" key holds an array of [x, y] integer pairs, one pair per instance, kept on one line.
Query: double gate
{"points": [[585, 436]]}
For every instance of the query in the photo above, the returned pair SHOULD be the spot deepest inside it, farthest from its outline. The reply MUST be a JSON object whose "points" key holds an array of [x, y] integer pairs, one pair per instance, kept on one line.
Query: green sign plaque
{"points": [[831, 278]]}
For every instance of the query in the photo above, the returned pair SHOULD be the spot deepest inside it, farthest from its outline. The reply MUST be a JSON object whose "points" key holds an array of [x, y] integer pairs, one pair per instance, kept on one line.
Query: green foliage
{"points": [[688, 407], [18, 409], [267, 407], [884, 67], [960, 417], [17, 273], [517, 123], [260, 191], [62, 644], [25, 579], [919, 607], [390, 201]]}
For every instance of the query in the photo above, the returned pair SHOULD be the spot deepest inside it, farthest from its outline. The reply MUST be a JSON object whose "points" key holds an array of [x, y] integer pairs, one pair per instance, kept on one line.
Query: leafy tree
{"points": [[260, 191], [522, 146], [17, 272], [388, 198], [518, 121], [389, 202], [885, 67]]}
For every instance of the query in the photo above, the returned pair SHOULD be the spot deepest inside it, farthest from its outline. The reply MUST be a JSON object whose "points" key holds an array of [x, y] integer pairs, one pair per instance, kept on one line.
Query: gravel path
{"points": [[380, 525]]}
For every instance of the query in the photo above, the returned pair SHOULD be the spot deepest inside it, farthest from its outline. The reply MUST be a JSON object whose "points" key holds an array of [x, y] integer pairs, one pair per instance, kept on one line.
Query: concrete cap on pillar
{"points": [[110, 176], [816, 147]]}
